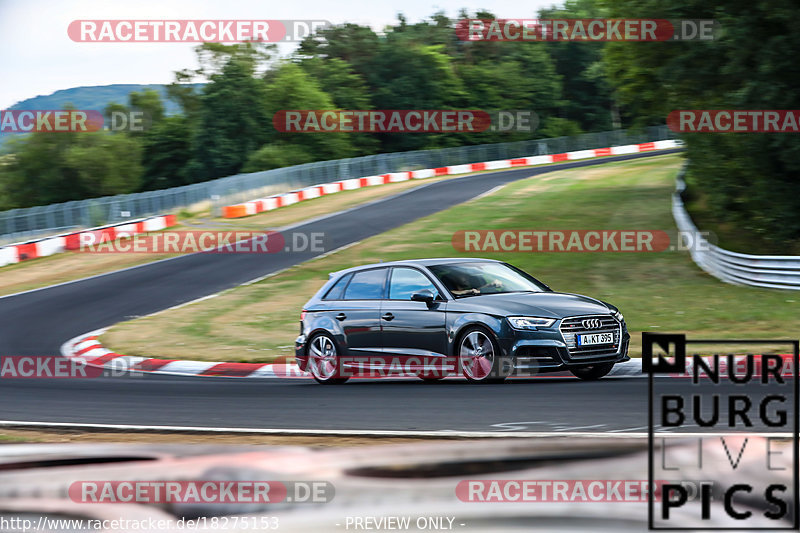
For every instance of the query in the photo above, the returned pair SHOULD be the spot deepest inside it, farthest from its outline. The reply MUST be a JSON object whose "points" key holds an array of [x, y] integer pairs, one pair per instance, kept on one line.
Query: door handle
{"points": [[341, 316], [387, 316]]}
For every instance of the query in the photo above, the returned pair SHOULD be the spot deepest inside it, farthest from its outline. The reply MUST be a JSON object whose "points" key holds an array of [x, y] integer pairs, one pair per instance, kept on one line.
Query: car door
{"points": [[359, 314], [412, 333]]}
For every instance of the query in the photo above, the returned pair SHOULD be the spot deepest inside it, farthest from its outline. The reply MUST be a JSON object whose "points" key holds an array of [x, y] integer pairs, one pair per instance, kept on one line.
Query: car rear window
{"points": [[366, 285], [335, 292]]}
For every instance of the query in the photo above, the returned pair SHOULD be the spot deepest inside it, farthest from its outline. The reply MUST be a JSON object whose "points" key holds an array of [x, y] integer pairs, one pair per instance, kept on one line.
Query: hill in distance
{"points": [[95, 97]]}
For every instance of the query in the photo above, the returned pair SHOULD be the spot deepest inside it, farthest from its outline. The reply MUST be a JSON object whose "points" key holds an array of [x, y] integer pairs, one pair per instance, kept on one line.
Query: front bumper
{"points": [[534, 352]]}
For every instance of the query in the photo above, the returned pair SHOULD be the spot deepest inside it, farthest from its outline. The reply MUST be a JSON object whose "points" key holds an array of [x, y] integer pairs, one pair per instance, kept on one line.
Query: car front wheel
{"points": [[592, 372], [479, 357], [323, 360]]}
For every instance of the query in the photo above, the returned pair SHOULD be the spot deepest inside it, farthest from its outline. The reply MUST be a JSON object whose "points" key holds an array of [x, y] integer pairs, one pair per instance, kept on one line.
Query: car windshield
{"points": [[474, 279]]}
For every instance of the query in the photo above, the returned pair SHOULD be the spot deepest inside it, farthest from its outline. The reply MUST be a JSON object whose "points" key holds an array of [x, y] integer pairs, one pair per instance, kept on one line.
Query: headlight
{"points": [[530, 322], [618, 316]]}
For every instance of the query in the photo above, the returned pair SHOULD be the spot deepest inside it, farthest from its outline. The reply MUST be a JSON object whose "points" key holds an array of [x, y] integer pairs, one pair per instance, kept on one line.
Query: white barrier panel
{"points": [[627, 149], [127, 229], [459, 169], [351, 184], [496, 165], [424, 173], [580, 154], [538, 160], [670, 143], [8, 256], [290, 198], [311, 192], [330, 188], [769, 271], [155, 224], [50, 246]]}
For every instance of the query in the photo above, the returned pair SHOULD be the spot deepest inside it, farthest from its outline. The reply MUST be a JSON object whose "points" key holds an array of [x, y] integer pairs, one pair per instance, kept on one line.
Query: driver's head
{"points": [[457, 281]]}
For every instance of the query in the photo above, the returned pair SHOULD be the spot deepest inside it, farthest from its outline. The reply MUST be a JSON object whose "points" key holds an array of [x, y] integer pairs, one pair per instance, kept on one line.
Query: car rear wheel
{"points": [[592, 372], [323, 360], [479, 357]]}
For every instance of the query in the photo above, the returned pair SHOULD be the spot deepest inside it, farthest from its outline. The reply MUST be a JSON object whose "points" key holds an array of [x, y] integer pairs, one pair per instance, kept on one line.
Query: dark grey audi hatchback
{"points": [[432, 318]]}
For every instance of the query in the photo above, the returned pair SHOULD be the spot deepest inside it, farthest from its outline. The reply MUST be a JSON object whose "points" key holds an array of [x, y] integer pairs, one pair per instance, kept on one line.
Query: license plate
{"points": [[595, 338]]}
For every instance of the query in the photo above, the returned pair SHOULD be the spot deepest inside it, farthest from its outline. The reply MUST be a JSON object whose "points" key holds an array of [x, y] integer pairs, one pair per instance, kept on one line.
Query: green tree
{"points": [[745, 179], [167, 150], [231, 121], [289, 87], [347, 90], [149, 103], [352, 43], [587, 95], [409, 76], [46, 167], [277, 155]]}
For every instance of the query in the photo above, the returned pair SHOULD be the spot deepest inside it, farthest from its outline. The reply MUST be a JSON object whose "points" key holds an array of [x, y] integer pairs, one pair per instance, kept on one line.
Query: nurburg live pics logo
{"points": [[765, 392]]}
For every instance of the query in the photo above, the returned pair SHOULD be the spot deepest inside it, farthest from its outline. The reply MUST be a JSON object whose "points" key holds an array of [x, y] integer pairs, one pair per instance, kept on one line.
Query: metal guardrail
{"points": [[42, 221], [770, 271]]}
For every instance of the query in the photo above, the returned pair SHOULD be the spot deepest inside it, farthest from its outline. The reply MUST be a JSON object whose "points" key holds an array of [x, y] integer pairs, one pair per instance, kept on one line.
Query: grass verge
{"points": [[657, 291]]}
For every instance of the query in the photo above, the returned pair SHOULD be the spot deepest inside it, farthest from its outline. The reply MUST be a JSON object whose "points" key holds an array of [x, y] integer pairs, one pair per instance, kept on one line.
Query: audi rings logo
{"points": [[592, 323]]}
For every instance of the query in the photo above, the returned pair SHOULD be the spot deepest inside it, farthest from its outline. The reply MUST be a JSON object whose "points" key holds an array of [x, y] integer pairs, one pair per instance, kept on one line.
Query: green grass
{"points": [[11, 439], [657, 291]]}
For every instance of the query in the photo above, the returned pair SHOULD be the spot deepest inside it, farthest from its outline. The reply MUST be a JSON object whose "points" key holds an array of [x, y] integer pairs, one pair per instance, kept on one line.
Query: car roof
{"points": [[417, 262]]}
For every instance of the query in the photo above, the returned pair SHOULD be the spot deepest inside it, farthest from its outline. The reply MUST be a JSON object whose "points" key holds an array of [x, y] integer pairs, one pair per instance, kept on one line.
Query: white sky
{"points": [[37, 57]]}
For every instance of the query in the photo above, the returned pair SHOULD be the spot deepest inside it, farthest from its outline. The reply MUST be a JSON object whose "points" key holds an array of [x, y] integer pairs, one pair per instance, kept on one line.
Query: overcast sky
{"points": [[37, 57]]}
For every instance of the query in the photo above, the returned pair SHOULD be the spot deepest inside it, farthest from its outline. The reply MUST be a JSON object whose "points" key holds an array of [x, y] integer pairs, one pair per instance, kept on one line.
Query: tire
{"points": [[323, 360], [479, 357], [592, 372]]}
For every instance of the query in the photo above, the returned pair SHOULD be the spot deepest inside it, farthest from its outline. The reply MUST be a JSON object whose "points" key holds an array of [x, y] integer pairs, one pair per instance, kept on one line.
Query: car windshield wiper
{"points": [[508, 292], [489, 293]]}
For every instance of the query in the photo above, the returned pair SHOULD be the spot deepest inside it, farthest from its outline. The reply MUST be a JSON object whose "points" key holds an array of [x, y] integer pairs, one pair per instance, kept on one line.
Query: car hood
{"points": [[544, 304]]}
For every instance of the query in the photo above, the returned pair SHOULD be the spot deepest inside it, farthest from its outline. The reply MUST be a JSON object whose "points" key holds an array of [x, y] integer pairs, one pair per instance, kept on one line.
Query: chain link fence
{"points": [[35, 222]]}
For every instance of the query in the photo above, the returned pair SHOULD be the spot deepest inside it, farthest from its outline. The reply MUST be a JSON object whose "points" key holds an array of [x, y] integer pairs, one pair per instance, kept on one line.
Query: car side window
{"points": [[336, 292], [366, 285], [407, 281]]}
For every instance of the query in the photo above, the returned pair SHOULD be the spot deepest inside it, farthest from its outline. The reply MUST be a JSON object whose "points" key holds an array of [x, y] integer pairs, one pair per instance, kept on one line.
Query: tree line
{"points": [[225, 126]]}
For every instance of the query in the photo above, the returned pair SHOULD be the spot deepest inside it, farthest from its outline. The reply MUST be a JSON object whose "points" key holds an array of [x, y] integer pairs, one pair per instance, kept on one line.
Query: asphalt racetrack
{"points": [[39, 322]]}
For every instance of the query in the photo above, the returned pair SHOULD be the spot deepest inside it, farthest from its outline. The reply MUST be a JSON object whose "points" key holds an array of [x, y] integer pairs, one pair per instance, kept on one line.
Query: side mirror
{"points": [[423, 296]]}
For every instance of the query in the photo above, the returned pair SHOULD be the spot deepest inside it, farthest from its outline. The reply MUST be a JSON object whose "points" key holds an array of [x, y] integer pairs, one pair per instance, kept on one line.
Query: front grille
{"points": [[573, 325]]}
